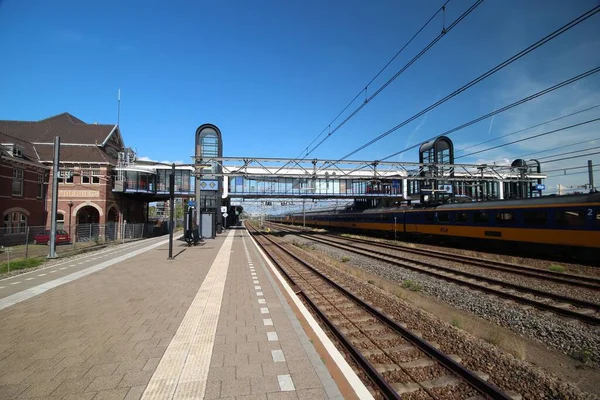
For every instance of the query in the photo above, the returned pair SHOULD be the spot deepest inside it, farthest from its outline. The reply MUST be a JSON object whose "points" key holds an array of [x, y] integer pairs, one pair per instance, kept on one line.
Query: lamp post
{"points": [[70, 215]]}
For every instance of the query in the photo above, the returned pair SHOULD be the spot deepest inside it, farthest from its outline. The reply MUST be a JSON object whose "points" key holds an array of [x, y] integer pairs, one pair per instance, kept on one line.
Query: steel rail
{"points": [[470, 377], [400, 262], [568, 279]]}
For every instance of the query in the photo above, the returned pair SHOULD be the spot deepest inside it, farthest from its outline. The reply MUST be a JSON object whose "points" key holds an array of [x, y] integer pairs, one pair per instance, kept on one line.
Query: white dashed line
{"points": [[15, 283], [72, 265], [42, 274], [272, 336], [2, 287], [264, 310], [268, 322], [259, 293], [277, 356], [28, 279], [63, 268], [52, 271], [255, 282], [285, 383], [257, 288], [262, 301]]}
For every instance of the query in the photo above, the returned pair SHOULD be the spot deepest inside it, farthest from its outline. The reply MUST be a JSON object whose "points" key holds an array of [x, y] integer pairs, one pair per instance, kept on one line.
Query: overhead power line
{"points": [[528, 128], [480, 78], [532, 137], [572, 157], [555, 148], [567, 153], [393, 78], [500, 110], [567, 169]]}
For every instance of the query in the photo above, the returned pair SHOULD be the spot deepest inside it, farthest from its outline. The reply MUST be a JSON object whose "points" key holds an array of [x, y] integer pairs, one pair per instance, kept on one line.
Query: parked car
{"points": [[44, 237]]}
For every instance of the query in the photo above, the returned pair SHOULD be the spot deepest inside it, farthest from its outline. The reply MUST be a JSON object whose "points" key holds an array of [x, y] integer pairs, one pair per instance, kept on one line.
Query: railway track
{"points": [[566, 306], [566, 279], [396, 360]]}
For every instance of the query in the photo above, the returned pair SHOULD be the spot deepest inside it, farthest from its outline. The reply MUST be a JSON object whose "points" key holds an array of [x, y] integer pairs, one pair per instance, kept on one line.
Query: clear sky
{"points": [[273, 74]]}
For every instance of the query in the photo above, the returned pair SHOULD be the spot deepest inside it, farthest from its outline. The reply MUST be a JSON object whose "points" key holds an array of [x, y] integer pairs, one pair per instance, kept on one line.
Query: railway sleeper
{"points": [[398, 349], [510, 393], [442, 381]]}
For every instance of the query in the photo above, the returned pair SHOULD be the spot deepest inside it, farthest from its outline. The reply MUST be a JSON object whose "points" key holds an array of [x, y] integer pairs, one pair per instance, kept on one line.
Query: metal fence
{"points": [[33, 241]]}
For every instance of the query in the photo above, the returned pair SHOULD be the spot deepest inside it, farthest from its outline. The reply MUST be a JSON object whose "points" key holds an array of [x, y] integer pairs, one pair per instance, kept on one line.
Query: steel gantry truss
{"points": [[315, 173], [353, 169]]}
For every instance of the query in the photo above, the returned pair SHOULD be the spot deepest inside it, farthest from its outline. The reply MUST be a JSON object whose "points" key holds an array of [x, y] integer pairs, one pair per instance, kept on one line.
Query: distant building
{"points": [[89, 151], [23, 181]]}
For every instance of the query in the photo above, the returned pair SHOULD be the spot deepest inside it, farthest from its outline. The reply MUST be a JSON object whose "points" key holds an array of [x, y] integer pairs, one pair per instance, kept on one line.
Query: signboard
{"points": [[78, 193], [65, 173], [206, 184], [225, 214], [540, 186], [223, 209], [445, 188], [395, 184], [191, 203]]}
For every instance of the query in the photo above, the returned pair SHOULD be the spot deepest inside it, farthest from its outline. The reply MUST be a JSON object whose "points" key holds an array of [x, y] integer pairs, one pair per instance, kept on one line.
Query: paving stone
{"points": [[104, 383], [237, 387], [115, 394], [72, 386]]}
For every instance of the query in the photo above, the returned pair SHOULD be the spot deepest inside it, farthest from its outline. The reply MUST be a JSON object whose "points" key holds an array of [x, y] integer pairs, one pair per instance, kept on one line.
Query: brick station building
{"points": [[90, 151]]}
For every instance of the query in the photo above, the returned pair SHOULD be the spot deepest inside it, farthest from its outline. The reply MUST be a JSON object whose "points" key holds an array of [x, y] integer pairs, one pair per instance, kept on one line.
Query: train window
{"points": [[570, 218], [597, 217], [444, 217], [462, 217], [534, 217], [481, 217], [504, 217], [429, 217]]}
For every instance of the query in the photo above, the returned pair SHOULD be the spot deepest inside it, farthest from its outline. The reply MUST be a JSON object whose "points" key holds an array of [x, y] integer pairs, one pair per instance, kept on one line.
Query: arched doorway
{"points": [[112, 219], [88, 227]]}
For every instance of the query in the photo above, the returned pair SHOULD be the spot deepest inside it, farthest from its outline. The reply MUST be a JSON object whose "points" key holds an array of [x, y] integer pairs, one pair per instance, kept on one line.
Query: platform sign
{"points": [[225, 214], [223, 209], [540, 186], [65, 173], [191, 203], [445, 188], [395, 184]]}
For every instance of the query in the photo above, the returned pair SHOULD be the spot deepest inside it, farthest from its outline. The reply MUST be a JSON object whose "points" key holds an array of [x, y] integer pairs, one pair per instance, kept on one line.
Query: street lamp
{"points": [[70, 215]]}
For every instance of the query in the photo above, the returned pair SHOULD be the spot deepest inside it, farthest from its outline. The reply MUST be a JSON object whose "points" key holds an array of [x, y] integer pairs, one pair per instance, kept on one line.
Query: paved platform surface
{"points": [[208, 324]]}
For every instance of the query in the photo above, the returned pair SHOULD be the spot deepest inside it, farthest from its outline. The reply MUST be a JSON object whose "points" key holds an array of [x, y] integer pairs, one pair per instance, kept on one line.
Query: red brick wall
{"points": [[29, 201]]}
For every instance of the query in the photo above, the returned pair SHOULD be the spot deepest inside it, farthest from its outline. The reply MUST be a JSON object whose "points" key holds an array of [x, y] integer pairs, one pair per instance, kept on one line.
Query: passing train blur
{"points": [[566, 225]]}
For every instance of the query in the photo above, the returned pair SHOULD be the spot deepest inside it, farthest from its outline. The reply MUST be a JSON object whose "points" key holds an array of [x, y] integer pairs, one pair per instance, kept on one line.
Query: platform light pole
{"points": [[171, 209], [54, 205]]}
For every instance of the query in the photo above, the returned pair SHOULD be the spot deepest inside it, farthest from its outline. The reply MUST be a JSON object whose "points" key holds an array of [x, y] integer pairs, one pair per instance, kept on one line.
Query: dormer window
{"points": [[17, 151]]}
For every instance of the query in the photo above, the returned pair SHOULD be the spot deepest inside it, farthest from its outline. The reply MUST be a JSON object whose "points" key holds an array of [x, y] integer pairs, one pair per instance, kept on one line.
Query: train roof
{"points": [[535, 201]]}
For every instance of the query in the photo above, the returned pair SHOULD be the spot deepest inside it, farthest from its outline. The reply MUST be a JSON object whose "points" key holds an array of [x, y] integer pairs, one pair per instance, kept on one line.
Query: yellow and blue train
{"points": [[558, 224]]}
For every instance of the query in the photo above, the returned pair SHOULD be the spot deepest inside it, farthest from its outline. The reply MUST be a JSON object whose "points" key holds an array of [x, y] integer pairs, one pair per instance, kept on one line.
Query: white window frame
{"points": [[18, 175], [40, 180]]}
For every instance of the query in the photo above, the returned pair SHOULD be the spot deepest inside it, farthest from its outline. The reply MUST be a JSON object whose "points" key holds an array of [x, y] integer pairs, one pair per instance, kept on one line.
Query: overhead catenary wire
{"points": [[528, 128], [568, 169], [500, 110], [404, 68], [483, 76], [364, 90], [556, 148], [532, 137], [572, 157]]}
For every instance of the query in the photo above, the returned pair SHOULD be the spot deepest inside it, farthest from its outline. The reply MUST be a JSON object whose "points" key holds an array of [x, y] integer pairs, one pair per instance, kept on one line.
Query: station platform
{"points": [[126, 323]]}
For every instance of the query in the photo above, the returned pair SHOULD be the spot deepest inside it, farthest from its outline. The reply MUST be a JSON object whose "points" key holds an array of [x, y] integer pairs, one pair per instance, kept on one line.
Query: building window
{"points": [[15, 223], [60, 221], [40, 180], [90, 176], [17, 183]]}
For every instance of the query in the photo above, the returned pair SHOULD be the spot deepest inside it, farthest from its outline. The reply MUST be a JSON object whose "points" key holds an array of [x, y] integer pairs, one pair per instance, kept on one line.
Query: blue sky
{"points": [[272, 75]]}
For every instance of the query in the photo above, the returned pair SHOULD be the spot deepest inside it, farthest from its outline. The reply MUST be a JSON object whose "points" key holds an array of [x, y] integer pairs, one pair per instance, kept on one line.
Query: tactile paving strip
{"points": [[183, 370]]}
